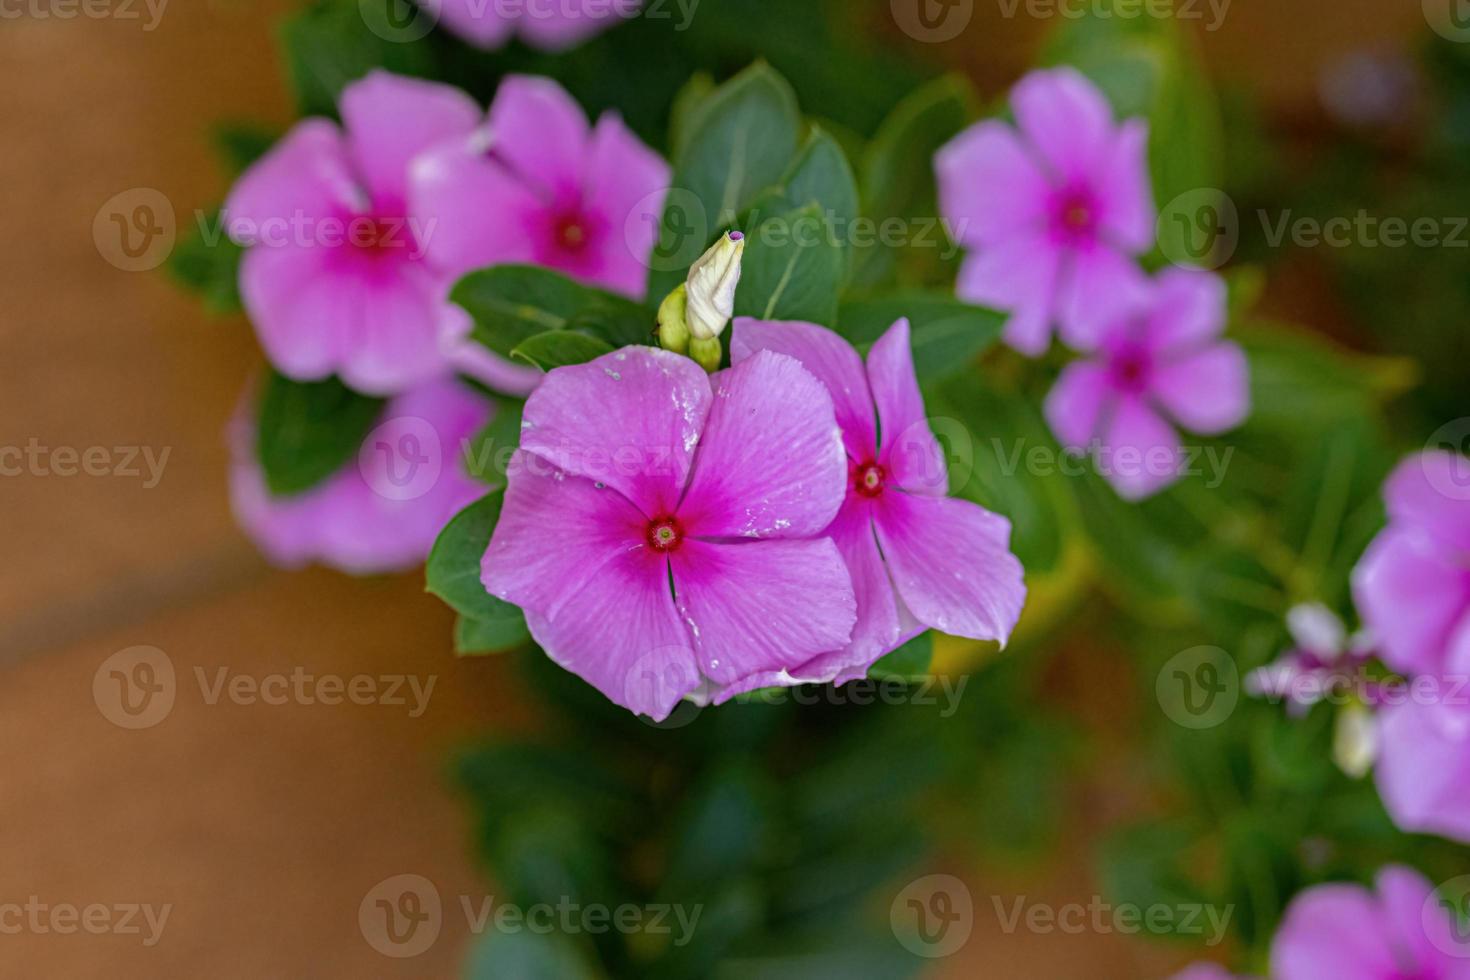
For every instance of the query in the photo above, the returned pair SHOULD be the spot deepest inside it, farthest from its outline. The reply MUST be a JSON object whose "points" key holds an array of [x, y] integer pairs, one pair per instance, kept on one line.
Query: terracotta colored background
{"points": [[265, 826]]}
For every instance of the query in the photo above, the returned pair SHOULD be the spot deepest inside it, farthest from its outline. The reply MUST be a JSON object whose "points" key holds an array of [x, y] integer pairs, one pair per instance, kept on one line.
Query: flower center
{"points": [[1076, 216], [868, 478], [570, 232], [664, 534], [1131, 369], [379, 236]]}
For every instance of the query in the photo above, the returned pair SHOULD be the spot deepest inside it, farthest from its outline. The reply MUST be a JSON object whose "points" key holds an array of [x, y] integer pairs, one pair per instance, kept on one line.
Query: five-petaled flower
{"points": [[551, 25], [918, 558], [1053, 213], [661, 526], [1159, 363]]}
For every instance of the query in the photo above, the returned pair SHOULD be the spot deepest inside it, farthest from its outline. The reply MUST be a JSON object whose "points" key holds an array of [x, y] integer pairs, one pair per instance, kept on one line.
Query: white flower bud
{"points": [[711, 285], [1355, 743]]}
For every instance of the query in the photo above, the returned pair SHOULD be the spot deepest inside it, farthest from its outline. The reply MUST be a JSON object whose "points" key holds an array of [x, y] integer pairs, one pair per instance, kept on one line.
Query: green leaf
{"points": [[1142, 866], [210, 270], [528, 955], [306, 431], [738, 141], [490, 451], [331, 44], [820, 175], [792, 269], [511, 304], [947, 334], [908, 661], [558, 348], [242, 143], [453, 571], [473, 637]]}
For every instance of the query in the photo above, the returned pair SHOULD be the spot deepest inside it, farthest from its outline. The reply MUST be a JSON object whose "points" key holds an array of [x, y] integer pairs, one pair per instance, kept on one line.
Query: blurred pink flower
{"points": [[1399, 931], [551, 25], [1158, 364], [1412, 587], [382, 511], [1053, 211], [1423, 766], [660, 525], [540, 185], [1206, 971], [944, 563]]}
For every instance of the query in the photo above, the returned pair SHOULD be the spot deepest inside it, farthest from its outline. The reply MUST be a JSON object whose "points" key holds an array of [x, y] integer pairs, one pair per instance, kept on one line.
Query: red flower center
{"points": [[570, 232], [868, 479], [664, 534], [1076, 216], [1131, 368], [380, 236]]}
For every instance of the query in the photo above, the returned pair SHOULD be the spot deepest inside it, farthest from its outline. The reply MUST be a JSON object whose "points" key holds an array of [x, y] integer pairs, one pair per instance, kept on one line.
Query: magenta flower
{"points": [[1159, 364], [1053, 212], [918, 558], [1399, 931], [1324, 658], [382, 511], [540, 185], [660, 525], [1423, 767], [335, 278], [1412, 587], [1206, 971], [551, 25]]}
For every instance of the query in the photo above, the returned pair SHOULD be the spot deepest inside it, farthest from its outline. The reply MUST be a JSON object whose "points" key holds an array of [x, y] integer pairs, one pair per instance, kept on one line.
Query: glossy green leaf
{"points": [[792, 269], [453, 570], [511, 304], [306, 431], [558, 348]]}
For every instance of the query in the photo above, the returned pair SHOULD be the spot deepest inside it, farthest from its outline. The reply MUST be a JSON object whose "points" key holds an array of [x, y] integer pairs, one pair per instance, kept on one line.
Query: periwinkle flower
{"points": [[919, 559], [1054, 212], [551, 25], [1322, 655], [662, 528], [1155, 365], [710, 287]]}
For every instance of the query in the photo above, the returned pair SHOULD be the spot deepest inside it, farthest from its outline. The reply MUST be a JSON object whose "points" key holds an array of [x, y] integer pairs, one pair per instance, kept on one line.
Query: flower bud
{"points": [[673, 329], [707, 353], [1355, 742], [711, 286]]}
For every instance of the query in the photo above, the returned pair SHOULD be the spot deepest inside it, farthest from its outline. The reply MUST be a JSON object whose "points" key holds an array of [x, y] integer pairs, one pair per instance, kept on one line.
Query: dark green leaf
{"points": [[331, 44], [947, 334], [527, 955], [490, 451], [792, 270], [908, 661], [453, 571], [241, 144], [473, 637], [206, 261], [820, 175], [511, 304], [558, 348], [306, 431]]}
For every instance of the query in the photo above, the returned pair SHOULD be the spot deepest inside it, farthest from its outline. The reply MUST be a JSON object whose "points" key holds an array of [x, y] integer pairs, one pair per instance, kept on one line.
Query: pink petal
{"points": [[770, 461], [1431, 491], [1204, 971], [1332, 932], [555, 536], [1123, 190], [1140, 451], [391, 119], [1189, 309], [630, 419], [990, 187], [301, 304], [762, 606], [833, 361], [306, 174], [472, 211], [1076, 405], [553, 26], [471, 358], [1066, 119], [1423, 772], [1098, 289], [622, 635], [480, 22], [1018, 276], [394, 341], [624, 175], [1412, 594], [542, 134], [909, 451], [1206, 392], [1419, 928], [951, 564]]}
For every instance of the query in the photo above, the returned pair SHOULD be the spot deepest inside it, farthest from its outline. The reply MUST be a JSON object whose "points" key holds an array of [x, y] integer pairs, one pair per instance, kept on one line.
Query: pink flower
{"points": [[1400, 931], [382, 511], [659, 526], [336, 279], [944, 564], [1053, 212], [1158, 364], [1423, 767], [551, 25], [540, 185], [1412, 587], [1206, 971]]}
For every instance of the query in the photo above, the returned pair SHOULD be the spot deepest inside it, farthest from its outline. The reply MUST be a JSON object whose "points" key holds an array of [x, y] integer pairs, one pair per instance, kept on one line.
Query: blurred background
{"points": [[263, 827]]}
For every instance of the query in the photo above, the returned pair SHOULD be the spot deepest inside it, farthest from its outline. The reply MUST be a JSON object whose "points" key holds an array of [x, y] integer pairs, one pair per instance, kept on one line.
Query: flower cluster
{"points": [[1055, 213]]}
